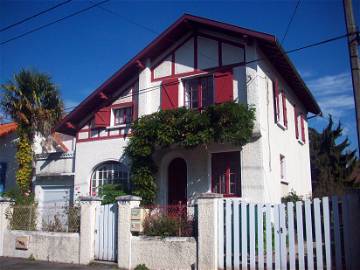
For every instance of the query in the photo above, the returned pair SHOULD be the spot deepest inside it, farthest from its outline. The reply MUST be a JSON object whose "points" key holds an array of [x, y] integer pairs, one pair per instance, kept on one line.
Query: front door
{"points": [[177, 182]]}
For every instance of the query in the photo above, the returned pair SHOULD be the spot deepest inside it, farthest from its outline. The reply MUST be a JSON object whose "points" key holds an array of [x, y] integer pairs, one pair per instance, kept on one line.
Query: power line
{"points": [[291, 19], [155, 87], [54, 22], [35, 15]]}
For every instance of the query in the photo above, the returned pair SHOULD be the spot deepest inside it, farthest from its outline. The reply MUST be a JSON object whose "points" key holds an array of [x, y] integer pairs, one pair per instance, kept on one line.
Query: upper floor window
{"points": [[122, 116], [299, 120], [280, 110], [2, 176], [199, 92]]}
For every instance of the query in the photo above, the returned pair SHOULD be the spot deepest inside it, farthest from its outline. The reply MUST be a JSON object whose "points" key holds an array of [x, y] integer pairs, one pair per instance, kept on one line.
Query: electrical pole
{"points": [[353, 43]]}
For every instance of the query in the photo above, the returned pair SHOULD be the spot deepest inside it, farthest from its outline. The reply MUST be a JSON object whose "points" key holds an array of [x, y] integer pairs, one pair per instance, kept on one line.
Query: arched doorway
{"points": [[177, 181]]}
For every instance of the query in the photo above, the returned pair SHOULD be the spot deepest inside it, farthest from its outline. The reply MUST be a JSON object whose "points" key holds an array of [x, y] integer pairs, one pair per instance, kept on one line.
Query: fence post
{"points": [[87, 228], [125, 203], [207, 257], [5, 203]]}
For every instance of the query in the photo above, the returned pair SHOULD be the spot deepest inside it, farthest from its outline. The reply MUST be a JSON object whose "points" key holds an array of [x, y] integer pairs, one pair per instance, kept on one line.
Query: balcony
{"points": [[55, 164]]}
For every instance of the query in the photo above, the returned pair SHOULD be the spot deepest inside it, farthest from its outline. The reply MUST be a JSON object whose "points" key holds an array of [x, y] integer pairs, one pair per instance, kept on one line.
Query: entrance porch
{"points": [[184, 173]]}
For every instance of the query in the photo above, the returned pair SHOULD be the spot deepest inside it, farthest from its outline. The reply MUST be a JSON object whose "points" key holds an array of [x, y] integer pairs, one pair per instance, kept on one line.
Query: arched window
{"points": [[111, 172]]}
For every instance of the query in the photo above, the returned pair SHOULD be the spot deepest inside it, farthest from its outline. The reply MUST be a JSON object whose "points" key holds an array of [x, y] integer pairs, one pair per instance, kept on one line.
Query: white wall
{"points": [[278, 140], [92, 153], [44, 246], [7, 155]]}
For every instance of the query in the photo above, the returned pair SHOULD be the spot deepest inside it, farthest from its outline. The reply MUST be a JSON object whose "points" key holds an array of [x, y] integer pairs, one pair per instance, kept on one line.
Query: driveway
{"points": [[21, 264]]}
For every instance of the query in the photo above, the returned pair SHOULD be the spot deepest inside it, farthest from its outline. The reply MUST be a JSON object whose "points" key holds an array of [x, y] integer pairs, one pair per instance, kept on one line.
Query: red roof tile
{"points": [[7, 128]]}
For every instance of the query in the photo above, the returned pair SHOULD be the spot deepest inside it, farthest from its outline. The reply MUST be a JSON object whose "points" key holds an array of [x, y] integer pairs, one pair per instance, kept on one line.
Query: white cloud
{"points": [[333, 93]]}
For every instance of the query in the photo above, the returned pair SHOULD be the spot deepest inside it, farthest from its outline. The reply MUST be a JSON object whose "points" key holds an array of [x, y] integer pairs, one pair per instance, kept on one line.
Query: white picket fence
{"points": [[306, 235]]}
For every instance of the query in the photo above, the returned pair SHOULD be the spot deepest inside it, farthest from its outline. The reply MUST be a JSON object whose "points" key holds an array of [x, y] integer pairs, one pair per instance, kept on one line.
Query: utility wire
{"points": [[54, 22], [34, 16], [155, 87], [291, 19]]}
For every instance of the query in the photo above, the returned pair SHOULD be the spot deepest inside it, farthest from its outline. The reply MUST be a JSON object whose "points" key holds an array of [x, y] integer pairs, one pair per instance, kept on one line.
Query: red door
{"points": [[177, 181]]}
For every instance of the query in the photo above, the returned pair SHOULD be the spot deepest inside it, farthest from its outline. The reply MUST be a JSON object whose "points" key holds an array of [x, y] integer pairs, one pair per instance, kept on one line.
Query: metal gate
{"points": [[106, 232]]}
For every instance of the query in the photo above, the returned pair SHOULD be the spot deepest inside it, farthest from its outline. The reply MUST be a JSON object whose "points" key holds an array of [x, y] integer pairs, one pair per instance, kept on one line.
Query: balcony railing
{"points": [[51, 164]]}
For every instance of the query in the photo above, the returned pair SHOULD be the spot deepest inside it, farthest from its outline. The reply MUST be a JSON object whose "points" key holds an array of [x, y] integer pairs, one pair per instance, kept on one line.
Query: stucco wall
{"points": [[46, 246], [278, 140], [167, 253], [7, 155], [92, 153]]}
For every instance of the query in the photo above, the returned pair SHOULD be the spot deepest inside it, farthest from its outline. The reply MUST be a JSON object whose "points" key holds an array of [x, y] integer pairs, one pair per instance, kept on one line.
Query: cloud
{"points": [[334, 93]]}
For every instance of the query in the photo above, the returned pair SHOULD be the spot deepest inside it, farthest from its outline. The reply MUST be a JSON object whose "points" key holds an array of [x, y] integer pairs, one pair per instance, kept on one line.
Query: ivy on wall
{"points": [[224, 123]]}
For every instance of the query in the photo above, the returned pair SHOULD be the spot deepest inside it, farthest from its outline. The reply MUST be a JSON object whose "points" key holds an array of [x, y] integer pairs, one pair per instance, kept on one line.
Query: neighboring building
{"points": [[8, 164], [196, 62], [54, 170]]}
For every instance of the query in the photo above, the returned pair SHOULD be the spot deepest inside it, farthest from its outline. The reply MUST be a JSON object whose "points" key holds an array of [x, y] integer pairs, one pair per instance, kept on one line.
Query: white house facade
{"points": [[194, 63]]}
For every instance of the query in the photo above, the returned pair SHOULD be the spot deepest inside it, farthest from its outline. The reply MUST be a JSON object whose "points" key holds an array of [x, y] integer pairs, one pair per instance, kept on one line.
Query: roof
{"points": [[7, 128], [267, 43]]}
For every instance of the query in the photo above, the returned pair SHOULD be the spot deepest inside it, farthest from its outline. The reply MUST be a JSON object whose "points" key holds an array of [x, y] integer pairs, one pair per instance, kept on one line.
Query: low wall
{"points": [[163, 253], [46, 246]]}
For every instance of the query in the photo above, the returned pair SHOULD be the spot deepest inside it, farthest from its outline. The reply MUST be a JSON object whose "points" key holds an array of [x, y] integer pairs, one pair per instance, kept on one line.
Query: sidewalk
{"points": [[21, 264]]}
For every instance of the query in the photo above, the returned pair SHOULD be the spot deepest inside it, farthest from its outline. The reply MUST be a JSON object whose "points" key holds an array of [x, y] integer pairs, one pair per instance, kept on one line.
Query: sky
{"points": [[80, 53]]}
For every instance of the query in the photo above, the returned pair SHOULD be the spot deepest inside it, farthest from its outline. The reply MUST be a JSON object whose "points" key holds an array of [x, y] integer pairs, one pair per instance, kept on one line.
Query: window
{"points": [[199, 92], [299, 118], [109, 173], [122, 116], [282, 169], [2, 176], [280, 110], [226, 173]]}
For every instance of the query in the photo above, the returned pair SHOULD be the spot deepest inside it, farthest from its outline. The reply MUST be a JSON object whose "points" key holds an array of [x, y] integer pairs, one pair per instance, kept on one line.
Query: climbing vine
{"points": [[224, 123], [24, 159]]}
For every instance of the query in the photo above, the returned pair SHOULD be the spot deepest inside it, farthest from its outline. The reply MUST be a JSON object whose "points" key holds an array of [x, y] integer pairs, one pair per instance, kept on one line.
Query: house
{"points": [[8, 164], [193, 63], [54, 165]]}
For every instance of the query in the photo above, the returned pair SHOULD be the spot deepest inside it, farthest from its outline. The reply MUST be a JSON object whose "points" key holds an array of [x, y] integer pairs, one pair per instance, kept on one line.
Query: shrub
{"points": [[141, 267], [109, 193], [291, 197]]}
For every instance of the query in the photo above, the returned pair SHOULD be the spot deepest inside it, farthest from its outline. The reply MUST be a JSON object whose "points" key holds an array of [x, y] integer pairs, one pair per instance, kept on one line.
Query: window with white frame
{"points": [[283, 169], [199, 92], [299, 119], [111, 172], [122, 116]]}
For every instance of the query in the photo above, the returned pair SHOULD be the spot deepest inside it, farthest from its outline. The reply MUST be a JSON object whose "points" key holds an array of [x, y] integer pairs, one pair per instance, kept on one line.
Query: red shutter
{"points": [[284, 108], [169, 94], [223, 82], [102, 118], [296, 122], [276, 100], [302, 128]]}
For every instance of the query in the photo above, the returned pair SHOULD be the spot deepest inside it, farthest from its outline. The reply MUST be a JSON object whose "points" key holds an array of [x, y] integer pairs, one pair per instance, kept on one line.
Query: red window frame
{"points": [[127, 119], [199, 83], [223, 166]]}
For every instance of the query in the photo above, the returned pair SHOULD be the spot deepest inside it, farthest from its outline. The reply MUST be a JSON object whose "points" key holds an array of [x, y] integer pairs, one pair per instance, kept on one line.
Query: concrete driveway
{"points": [[17, 264]]}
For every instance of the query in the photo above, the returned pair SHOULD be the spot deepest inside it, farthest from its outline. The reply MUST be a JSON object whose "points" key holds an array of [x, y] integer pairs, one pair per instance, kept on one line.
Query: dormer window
{"points": [[122, 116], [199, 92]]}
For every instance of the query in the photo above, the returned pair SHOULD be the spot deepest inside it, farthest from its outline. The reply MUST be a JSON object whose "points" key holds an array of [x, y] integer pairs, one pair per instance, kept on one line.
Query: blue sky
{"points": [[82, 52]]}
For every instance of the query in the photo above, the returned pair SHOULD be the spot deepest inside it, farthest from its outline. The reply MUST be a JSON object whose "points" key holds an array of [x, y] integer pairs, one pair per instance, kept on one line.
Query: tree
{"points": [[332, 162], [33, 101]]}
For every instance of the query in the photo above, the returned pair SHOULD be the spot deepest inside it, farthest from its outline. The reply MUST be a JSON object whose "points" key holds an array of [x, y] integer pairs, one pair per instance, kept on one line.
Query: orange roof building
{"points": [[7, 128]]}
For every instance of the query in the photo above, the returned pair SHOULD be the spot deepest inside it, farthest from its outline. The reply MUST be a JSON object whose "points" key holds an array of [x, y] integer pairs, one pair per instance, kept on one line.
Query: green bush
{"points": [[141, 267], [292, 197], [109, 193]]}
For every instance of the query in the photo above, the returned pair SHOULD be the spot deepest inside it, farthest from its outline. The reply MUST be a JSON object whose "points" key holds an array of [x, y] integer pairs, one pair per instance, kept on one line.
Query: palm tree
{"points": [[33, 101]]}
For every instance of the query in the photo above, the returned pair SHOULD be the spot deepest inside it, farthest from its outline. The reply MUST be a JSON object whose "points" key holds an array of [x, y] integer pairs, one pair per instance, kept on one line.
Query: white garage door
{"points": [[53, 208]]}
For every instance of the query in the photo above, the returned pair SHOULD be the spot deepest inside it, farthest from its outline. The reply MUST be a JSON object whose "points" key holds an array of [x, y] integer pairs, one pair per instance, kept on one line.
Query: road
{"points": [[17, 264]]}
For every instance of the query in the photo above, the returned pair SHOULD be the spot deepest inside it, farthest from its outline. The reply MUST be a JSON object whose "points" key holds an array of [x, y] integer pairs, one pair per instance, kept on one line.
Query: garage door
{"points": [[54, 207]]}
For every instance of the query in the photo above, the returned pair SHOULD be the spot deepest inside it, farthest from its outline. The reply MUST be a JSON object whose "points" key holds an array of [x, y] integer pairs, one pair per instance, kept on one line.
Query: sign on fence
{"points": [[316, 234]]}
